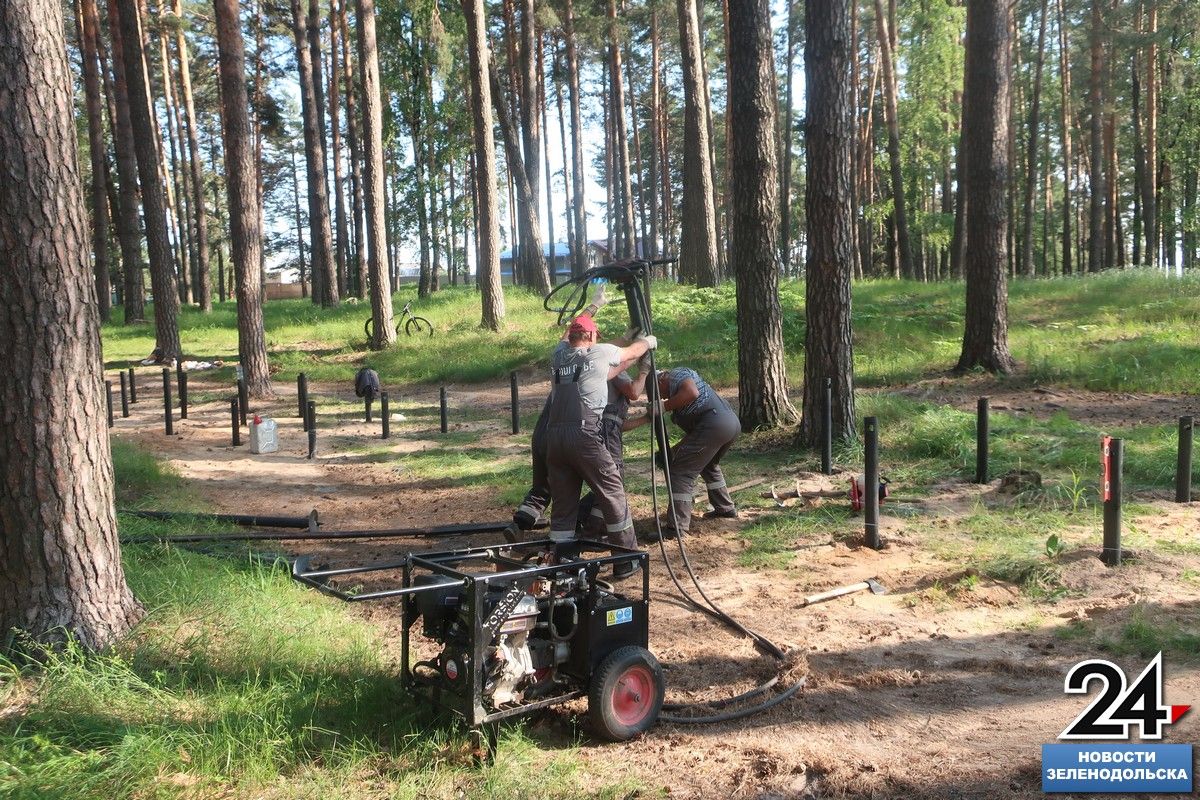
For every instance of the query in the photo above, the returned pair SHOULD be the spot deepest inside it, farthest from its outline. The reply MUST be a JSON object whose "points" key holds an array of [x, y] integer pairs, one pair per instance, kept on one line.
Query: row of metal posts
{"points": [[1112, 461]]}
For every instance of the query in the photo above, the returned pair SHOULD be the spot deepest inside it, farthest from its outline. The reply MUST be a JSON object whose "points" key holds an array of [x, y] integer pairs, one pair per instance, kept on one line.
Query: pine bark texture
{"points": [[754, 205], [88, 28], [985, 138], [829, 214], [698, 227], [891, 93], [60, 563], [319, 231], [373, 178], [129, 228], [245, 215], [578, 209], [203, 283], [358, 265], [149, 167], [487, 238], [1095, 256]]}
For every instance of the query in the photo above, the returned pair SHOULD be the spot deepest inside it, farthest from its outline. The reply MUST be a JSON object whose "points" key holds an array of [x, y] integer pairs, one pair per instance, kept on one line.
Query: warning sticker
{"points": [[619, 616]]}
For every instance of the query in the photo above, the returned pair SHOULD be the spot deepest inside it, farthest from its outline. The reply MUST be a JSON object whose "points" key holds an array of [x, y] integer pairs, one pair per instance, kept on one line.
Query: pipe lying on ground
{"points": [[310, 523], [314, 536]]}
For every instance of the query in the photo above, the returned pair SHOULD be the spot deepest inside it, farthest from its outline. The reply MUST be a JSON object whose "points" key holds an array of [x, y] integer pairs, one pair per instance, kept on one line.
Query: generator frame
{"points": [[510, 570]]}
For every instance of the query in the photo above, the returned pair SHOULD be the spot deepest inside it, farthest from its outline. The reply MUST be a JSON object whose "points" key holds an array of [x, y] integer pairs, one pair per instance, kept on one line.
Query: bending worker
{"points": [[709, 426], [581, 368]]}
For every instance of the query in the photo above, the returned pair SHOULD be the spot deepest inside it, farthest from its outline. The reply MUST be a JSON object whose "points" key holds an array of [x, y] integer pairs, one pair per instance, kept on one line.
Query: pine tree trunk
{"points": [[652, 173], [358, 264], [162, 277], [418, 147], [342, 229], [296, 214], [60, 562], [128, 225], [177, 177], [1098, 192], [698, 236], [642, 247], [1064, 68], [985, 138], [1031, 171], [529, 228], [87, 27], [203, 282], [754, 223], [785, 175], [245, 214], [373, 177], [1149, 186], [487, 240], [312, 112], [829, 216], [578, 209], [628, 245], [552, 260], [891, 92]]}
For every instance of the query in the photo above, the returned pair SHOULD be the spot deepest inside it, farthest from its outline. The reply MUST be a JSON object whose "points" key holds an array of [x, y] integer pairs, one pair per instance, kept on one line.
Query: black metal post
{"points": [[235, 419], [108, 392], [1114, 463], [124, 395], [179, 377], [132, 387], [445, 422], [516, 404], [168, 423], [827, 430], [982, 425], [243, 398], [367, 407], [302, 397], [384, 415], [312, 428], [1183, 468], [871, 483], [183, 395]]}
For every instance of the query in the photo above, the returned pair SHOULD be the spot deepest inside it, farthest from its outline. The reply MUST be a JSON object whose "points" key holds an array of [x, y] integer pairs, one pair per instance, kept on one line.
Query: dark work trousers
{"points": [[533, 507], [707, 438], [575, 455], [590, 516]]}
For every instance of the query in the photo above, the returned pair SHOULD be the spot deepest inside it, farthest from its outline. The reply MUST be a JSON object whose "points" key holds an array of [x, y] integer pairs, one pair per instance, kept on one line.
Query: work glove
{"points": [[599, 298], [651, 342]]}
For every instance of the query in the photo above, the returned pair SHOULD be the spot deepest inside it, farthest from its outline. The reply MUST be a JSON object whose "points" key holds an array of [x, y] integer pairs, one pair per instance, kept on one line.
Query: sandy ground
{"points": [[906, 696]]}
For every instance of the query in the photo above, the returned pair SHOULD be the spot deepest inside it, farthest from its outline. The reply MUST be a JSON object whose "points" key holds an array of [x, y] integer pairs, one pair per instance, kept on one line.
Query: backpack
{"points": [[366, 383]]}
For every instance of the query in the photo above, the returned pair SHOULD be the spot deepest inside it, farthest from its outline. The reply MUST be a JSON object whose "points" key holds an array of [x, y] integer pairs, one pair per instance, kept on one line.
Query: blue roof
{"points": [[561, 249]]}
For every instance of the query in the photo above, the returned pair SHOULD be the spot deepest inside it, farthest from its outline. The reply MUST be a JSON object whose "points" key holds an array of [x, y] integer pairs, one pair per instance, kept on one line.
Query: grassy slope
{"points": [[240, 683], [1123, 331]]}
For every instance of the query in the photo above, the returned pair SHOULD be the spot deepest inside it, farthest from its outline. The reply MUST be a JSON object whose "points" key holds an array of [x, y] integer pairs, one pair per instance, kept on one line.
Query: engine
{"points": [[529, 628]]}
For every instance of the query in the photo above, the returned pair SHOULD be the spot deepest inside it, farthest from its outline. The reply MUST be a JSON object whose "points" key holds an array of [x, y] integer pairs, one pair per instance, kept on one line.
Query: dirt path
{"points": [[916, 693]]}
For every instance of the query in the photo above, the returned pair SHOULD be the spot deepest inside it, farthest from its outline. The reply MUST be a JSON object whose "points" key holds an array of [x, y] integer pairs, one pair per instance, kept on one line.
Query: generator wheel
{"points": [[626, 694]]}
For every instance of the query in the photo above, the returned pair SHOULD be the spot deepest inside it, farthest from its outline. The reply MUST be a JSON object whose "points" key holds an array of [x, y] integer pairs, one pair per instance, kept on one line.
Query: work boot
{"points": [[714, 514]]}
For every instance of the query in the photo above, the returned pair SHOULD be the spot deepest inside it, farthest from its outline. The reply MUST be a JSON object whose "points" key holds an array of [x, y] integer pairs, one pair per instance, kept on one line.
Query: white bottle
{"points": [[264, 438]]}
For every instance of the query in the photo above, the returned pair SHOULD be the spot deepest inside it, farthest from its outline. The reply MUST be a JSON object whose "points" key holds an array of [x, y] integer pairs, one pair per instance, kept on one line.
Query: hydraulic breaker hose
{"points": [[635, 278]]}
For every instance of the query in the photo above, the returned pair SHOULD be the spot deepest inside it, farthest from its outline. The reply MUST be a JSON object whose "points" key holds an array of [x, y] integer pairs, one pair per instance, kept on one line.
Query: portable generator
{"points": [[519, 627]]}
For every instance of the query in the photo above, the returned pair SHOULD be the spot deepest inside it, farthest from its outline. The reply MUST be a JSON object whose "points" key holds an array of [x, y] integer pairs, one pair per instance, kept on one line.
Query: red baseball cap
{"points": [[582, 324]]}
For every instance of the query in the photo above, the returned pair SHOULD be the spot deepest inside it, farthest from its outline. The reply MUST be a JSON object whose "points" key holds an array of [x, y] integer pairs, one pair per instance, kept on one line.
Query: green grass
{"points": [[1127, 331], [1144, 633], [241, 683]]}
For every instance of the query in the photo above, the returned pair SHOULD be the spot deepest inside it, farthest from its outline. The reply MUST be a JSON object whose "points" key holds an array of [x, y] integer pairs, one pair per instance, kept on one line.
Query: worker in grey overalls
{"points": [[581, 369], [709, 426]]}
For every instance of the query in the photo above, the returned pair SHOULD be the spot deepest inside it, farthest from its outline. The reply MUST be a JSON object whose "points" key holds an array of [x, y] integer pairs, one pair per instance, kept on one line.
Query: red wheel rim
{"points": [[633, 695]]}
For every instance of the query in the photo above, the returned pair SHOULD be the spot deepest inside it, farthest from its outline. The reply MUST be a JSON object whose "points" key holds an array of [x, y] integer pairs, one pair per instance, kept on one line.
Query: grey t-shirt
{"points": [[593, 364]]}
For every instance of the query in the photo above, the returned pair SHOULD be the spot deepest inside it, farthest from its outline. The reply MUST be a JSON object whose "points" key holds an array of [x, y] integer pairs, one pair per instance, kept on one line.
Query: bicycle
{"points": [[413, 325]]}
